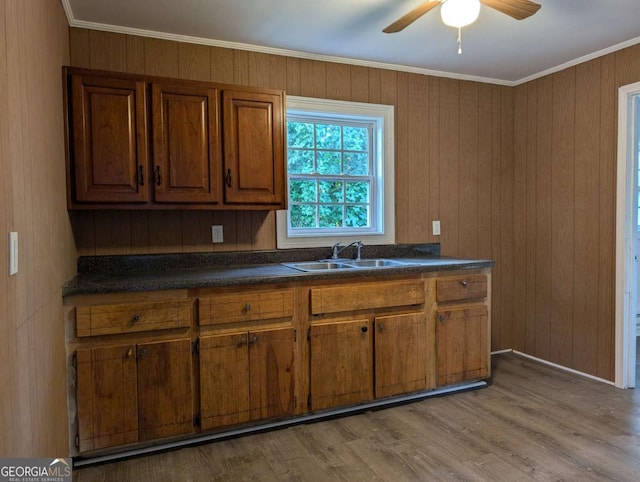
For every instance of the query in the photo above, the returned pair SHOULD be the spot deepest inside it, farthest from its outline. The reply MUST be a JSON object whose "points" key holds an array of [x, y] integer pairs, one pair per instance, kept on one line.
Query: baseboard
{"points": [[563, 368], [498, 352]]}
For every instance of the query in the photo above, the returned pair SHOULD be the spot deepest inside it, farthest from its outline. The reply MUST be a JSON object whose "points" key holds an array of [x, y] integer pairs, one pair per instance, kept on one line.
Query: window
{"points": [[339, 174]]}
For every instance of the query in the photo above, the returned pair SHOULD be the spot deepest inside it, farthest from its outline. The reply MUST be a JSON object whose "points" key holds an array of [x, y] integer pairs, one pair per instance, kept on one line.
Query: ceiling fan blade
{"points": [[518, 9], [412, 16]]}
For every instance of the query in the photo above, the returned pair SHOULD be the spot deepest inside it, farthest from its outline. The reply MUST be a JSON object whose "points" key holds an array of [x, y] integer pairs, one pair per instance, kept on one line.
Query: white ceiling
{"points": [[496, 48]]}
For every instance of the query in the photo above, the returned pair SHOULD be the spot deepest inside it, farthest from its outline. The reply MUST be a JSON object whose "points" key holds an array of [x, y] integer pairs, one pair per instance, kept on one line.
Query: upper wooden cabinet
{"points": [[253, 148], [109, 140], [186, 152], [141, 142]]}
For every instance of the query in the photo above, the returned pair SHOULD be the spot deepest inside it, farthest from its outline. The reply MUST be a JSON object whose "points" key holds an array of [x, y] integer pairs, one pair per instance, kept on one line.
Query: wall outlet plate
{"points": [[217, 234], [436, 228]]}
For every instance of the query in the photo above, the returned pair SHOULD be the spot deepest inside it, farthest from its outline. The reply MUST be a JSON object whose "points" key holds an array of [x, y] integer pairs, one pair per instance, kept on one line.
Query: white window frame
{"points": [[383, 116]]}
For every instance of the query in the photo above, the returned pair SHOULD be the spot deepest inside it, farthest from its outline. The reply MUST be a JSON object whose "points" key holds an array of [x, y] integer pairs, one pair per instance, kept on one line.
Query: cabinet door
{"points": [[165, 389], [341, 364], [186, 150], [106, 397], [401, 349], [462, 344], [224, 380], [253, 148], [271, 373], [109, 131]]}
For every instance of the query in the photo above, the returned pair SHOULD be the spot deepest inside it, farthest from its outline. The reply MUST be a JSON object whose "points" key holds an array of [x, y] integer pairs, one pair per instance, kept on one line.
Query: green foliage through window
{"points": [[330, 172]]}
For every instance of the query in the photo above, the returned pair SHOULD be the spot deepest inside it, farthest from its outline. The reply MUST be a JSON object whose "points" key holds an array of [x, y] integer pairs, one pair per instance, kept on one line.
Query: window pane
{"points": [[299, 134], [330, 216], [302, 191], [300, 161], [329, 162], [356, 164], [331, 191], [303, 216], [356, 138], [327, 136], [357, 216], [357, 192]]}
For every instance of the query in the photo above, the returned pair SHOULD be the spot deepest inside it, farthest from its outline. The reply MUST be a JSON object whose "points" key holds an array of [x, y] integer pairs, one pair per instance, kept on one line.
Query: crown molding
{"points": [[579, 60], [73, 22]]}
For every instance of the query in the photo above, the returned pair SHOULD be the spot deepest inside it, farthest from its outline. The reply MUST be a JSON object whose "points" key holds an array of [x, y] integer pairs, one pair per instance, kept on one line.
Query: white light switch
{"points": [[436, 228], [217, 235], [13, 253]]}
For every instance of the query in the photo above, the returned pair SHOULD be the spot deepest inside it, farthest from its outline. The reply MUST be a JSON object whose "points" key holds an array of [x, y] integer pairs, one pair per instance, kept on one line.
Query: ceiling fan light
{"points": [[460, 13]]}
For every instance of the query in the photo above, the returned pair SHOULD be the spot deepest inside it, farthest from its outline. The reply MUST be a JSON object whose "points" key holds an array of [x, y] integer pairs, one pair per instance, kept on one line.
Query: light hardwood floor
{"points": [[533, 423]]}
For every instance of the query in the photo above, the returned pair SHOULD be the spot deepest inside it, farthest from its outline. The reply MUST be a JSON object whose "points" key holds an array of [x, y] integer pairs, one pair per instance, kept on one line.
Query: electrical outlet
{"points": [[13, 253], [217, 235], [436, 228]]}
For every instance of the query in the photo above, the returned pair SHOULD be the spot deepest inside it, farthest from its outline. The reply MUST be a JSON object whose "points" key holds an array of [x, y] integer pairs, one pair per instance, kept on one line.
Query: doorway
{"points": [[627, 237]]}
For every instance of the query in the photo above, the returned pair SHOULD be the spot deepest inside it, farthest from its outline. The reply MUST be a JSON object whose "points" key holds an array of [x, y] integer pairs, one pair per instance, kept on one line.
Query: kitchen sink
{"points": [[375, 263], [345, 264], [317, 265]]}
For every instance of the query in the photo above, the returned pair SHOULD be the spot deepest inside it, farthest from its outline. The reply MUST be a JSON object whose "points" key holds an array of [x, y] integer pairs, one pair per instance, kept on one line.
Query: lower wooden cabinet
{"points": [[107, 397], [246, 376], [402, 346], [173, 364], [351, 363], [341, 363], [129, 393], [462, 339], [165, 389]]}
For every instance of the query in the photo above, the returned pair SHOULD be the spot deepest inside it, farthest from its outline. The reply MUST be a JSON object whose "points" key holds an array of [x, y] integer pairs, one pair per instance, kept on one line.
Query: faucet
{"points": [[336, 249]]}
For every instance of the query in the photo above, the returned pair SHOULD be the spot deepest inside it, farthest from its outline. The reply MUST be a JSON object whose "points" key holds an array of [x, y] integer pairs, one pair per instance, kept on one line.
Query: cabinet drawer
{"points": [[237, 307], [132, 317], [454, 289], [364, 296]]}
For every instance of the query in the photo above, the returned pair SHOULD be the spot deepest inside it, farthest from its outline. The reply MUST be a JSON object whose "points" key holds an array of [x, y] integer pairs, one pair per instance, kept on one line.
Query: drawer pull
{"points": [[247, 308], [135, 319], [463, 283]]}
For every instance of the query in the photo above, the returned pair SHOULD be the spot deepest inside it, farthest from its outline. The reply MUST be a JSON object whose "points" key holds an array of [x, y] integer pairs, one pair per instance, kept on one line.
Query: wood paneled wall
{"points": [[565, 168], [35, 44]]}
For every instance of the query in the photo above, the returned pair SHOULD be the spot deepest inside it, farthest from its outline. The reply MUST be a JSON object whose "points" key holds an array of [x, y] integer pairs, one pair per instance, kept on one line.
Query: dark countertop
{"points": [[113, 274]]}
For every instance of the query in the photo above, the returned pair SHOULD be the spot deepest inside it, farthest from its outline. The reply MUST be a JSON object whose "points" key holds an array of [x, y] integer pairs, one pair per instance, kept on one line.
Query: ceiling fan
{"points": [[460, 13]]}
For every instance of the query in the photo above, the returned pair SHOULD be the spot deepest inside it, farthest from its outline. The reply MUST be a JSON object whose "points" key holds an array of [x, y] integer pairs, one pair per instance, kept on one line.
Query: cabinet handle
{"points": [[129, 353], [135, 319], [158, 176], [227, 178], [247, 307], [242, 342], [144, 352], [441, 318], [140, 175], [463, 283], [381, 326], [364, 329], [253, 340]]}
